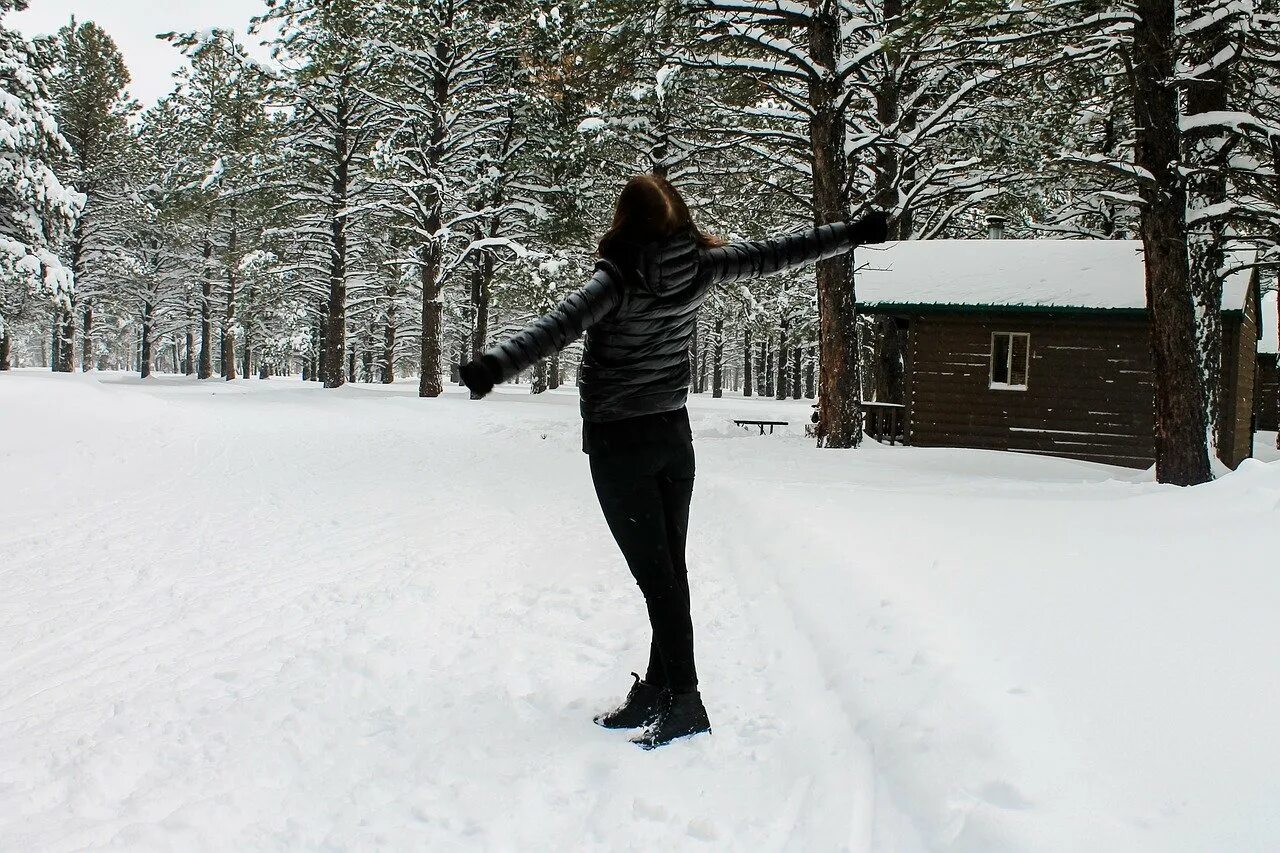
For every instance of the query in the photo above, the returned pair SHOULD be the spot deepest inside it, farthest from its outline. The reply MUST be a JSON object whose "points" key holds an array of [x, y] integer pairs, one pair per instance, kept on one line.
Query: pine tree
{"points": [[93, 113], [36, 208]]}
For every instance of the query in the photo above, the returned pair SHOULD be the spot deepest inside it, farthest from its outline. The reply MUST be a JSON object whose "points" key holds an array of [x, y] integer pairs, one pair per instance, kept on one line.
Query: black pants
{"points": [[645, 492]]}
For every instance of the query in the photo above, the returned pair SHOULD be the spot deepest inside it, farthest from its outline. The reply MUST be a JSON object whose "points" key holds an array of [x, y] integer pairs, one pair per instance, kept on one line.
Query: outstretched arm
{"points": [[548, 334], [756, 258]]}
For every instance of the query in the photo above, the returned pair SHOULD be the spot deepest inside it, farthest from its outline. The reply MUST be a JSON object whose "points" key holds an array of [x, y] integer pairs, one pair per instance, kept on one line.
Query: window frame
{"points": [[992, 384]]}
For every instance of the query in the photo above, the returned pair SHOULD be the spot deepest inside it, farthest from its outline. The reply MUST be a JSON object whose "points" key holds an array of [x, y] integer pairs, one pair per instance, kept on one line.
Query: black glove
{"points": [[872, 228], [481, 375]]}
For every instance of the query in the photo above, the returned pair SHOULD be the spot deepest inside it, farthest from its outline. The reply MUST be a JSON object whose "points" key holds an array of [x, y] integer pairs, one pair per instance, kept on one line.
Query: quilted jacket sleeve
{"points": [[556, 330], [756, 258]]}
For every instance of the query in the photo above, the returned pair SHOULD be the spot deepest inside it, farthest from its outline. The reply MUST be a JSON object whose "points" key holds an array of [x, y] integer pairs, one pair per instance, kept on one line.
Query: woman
{"points": [[655, 271]]}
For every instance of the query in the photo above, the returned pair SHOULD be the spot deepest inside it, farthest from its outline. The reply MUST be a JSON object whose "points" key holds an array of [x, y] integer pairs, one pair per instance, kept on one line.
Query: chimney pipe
{"points": [[995, 227]]}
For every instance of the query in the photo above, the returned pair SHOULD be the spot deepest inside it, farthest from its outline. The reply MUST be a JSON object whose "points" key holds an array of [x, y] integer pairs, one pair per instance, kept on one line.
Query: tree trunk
{"points": [[840, 414], [86, 337], [1206, 152], [693, 362], [539, 383], [6, 347], [717, 359], [1182, 455], [747, 370], [795, 373], [318, 364], [366, 350], [144, 339], [768, 367], [553, 372], [889, 360], [810, 368], [188, 365], [61, 357], [429, 374], [206, 306], [246, 355], [703, 357], [455, 374], [781, 385], [336, 320], [388, 366]]}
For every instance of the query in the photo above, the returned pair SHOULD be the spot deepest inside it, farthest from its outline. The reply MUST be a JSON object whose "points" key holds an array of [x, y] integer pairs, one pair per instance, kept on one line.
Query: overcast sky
{"points": [[134, 24]]}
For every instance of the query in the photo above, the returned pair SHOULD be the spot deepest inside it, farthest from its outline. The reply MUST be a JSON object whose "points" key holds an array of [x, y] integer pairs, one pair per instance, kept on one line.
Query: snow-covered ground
{"points": [[261, 615]]}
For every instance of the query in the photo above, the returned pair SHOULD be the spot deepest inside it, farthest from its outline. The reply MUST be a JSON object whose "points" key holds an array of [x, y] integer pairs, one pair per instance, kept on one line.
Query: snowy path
{"points": [[264, 616]]}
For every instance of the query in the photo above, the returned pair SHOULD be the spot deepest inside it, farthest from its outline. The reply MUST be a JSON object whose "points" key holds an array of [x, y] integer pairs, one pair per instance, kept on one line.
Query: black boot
{"points": [[642, 704], [683, 714]]}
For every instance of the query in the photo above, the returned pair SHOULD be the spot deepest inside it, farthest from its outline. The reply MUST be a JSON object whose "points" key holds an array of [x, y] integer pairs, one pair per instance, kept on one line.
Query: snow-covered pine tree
{"points": [[221, 97], [325, 48], [94, 109], [444, 72], [36, 208]]}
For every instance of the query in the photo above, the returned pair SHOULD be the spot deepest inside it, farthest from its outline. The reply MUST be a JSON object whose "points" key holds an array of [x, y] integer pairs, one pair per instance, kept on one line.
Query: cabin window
{"points": [[1010, 358]]}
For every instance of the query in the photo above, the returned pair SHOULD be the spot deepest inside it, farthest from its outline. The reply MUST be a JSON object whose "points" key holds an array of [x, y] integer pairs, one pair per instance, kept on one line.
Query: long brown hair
{"points": [[650, 209]]}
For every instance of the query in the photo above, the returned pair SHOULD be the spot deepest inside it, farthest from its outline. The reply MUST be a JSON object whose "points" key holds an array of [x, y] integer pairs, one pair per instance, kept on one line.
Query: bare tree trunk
{"points": [[747, 370], [1182, 455], [717, 359], [840, 414], [810, 368], [6, 347], [188, 364], [553, 372]]}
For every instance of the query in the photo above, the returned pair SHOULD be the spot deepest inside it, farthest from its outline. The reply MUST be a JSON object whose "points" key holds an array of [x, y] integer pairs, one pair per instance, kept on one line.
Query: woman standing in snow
{"points": [[640, 307]]}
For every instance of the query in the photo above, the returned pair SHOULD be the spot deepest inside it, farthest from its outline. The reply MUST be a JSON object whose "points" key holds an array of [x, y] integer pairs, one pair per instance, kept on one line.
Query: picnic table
{"points": [[762, 424]]}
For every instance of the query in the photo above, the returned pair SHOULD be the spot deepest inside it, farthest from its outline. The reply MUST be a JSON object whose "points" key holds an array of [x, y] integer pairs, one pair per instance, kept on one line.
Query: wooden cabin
{"points": [[1041, 346], [1268, 382]]}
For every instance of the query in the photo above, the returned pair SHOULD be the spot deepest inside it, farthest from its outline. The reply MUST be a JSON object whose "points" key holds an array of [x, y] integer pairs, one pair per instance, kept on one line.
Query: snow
{"points": [[261, 615], [1270, 341], [1098, 274]]}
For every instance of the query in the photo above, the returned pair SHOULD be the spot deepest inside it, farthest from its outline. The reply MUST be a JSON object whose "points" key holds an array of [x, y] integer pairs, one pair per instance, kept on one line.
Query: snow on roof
{"points": [[1089, 274], [1270, 322]]}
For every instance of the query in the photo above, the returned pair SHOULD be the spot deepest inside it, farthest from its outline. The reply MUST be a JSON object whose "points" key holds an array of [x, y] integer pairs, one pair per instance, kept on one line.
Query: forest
{"points": [[405, 182]]}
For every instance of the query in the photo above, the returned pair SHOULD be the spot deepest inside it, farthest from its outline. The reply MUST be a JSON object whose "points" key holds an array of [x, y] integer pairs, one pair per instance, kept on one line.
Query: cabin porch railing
{"points": [[885, 422]]}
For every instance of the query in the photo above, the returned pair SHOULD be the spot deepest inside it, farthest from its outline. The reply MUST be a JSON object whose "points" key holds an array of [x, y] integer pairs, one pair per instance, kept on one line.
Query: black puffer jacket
{"points": [[641, 308]]}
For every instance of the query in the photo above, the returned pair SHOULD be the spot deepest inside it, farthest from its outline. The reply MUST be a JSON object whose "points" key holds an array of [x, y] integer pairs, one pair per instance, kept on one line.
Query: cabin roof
{"points": [[1015, 275]]}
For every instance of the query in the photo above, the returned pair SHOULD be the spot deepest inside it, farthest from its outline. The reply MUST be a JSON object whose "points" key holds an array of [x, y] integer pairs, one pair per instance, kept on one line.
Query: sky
{"points": [[134, 25]]}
